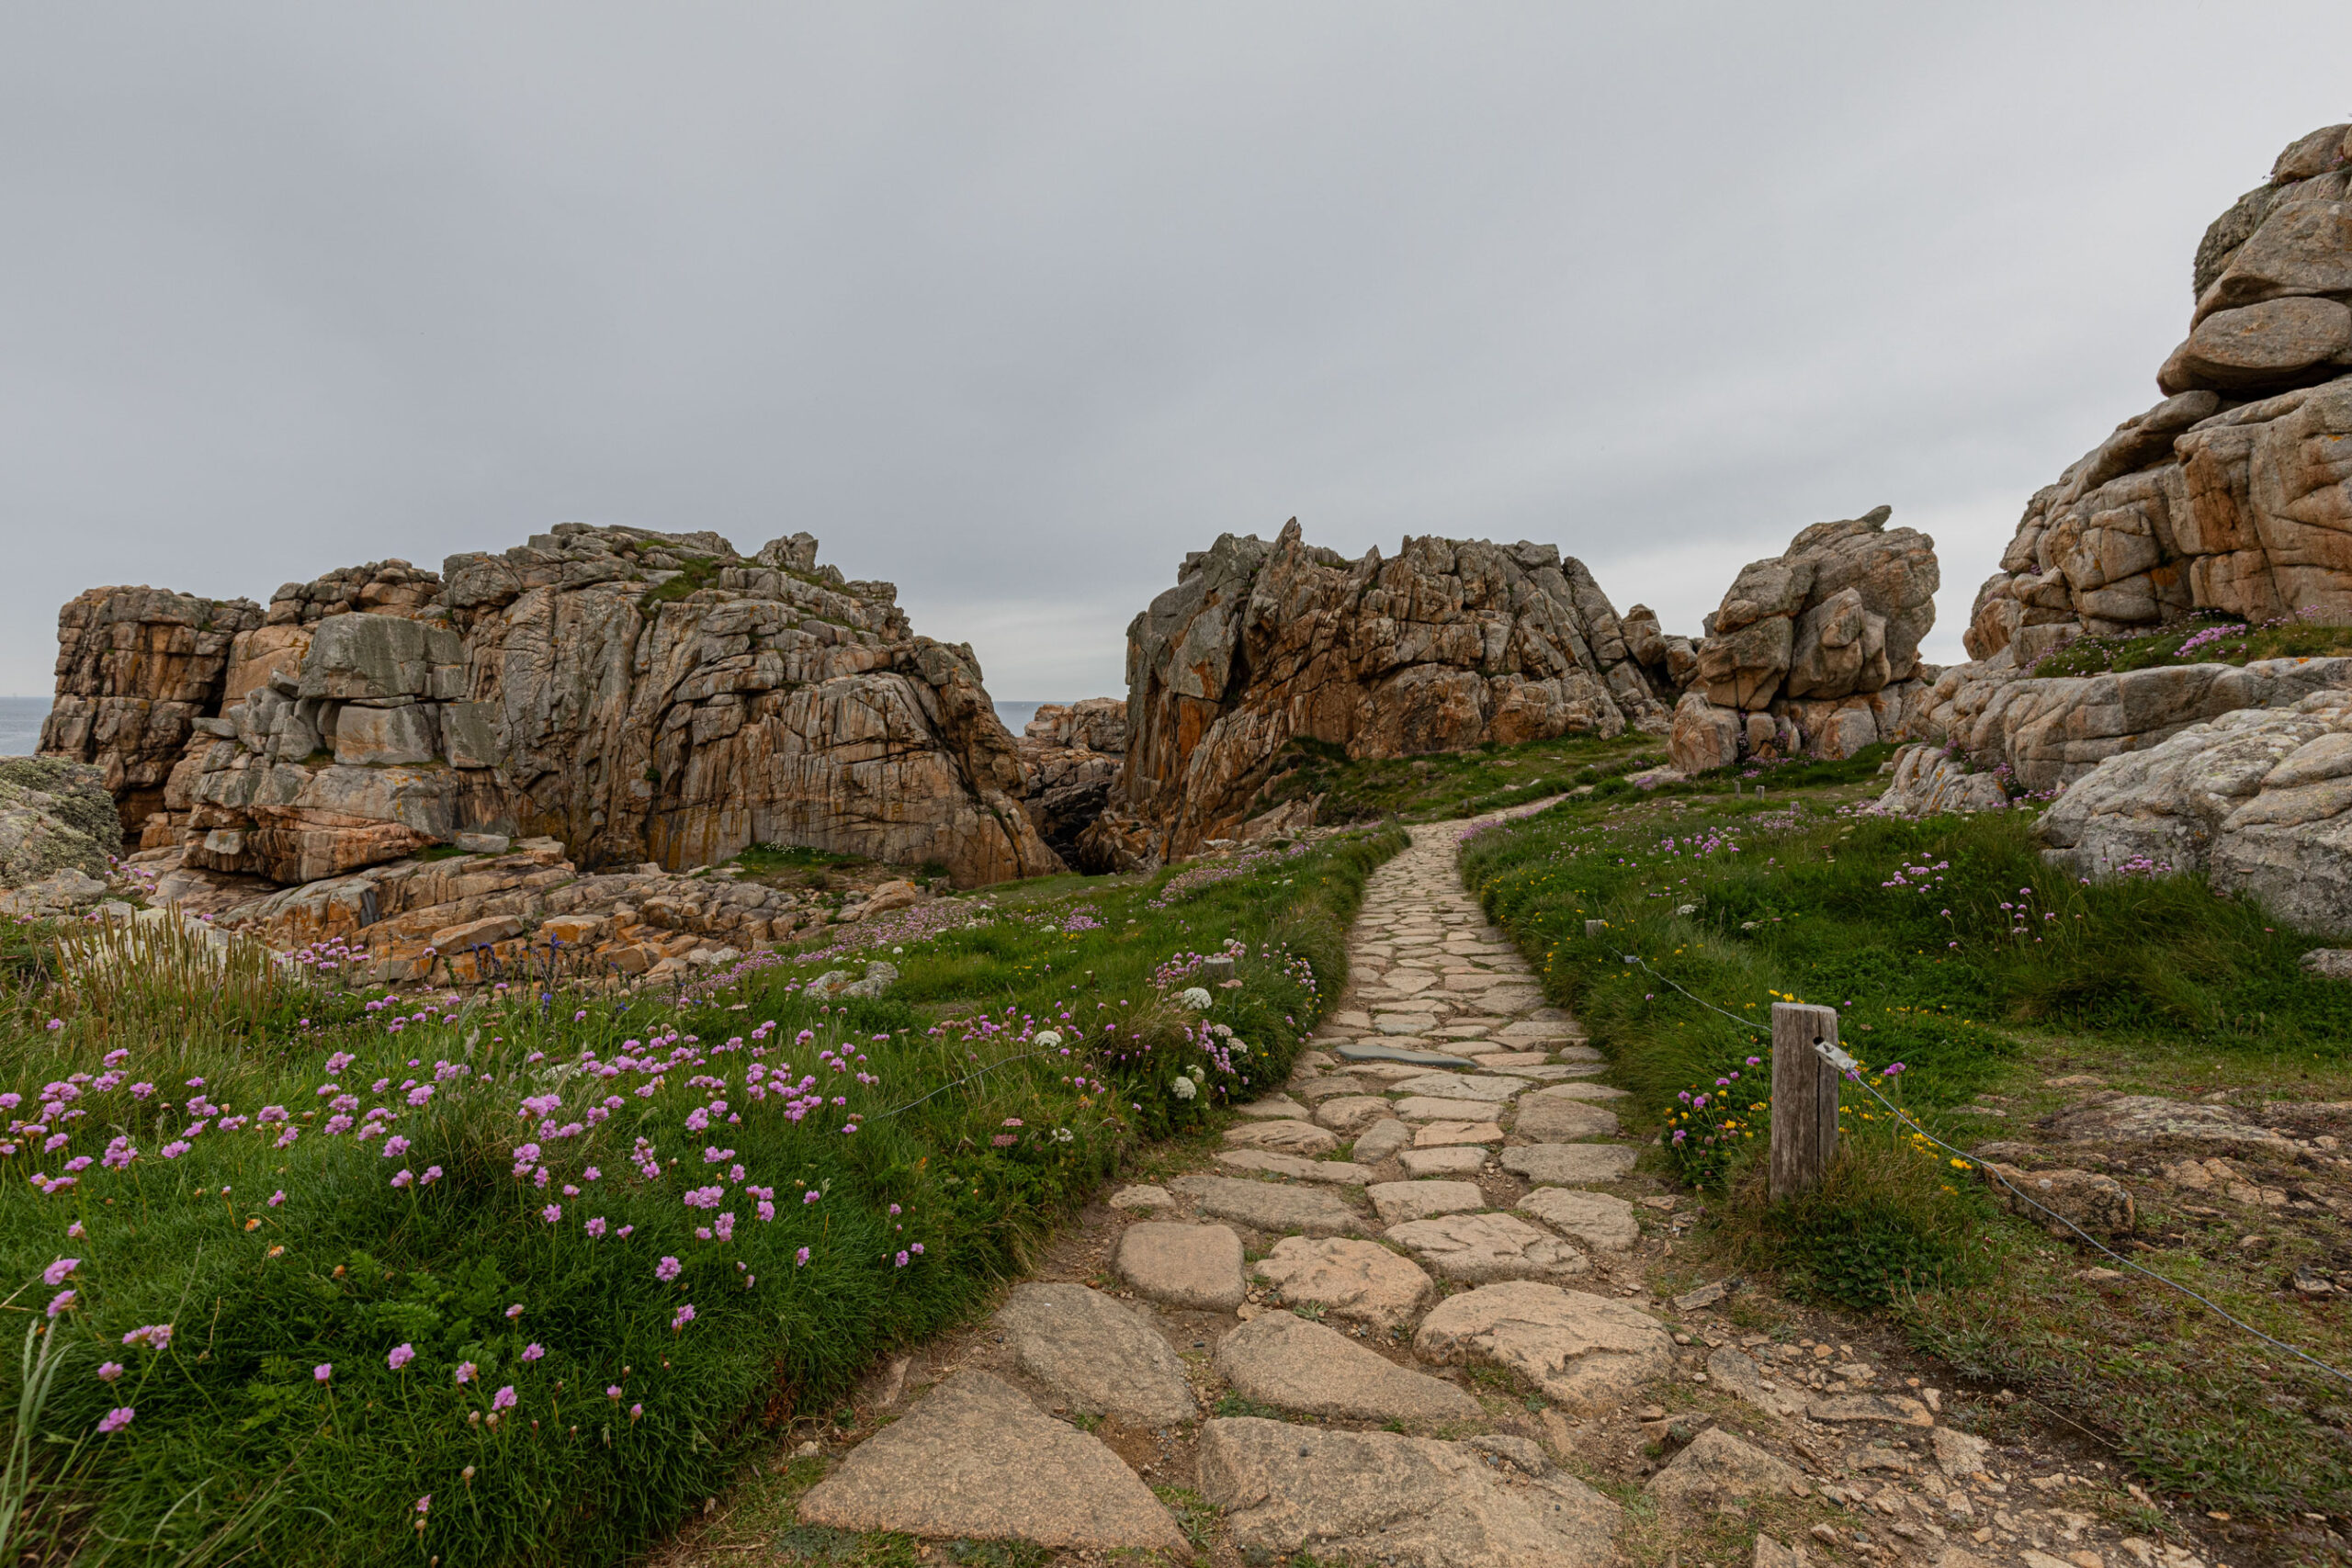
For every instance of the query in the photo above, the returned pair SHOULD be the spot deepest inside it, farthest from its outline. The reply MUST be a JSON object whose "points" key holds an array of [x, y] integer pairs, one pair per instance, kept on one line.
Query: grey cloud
{"points": [[1016, 306]]}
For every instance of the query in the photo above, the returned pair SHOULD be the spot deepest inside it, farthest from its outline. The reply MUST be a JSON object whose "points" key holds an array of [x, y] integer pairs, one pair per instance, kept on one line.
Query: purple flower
{"points": [[635, 1411], [402, 1178], [60, 1303], [54, 1275], [686, 1315], [667, 1269], [612, 1392], [534, 1350], [277, 1198], [402, 1356], [552, 1213], [513, 1311], [595, 1227], [323, 1372], [800, 1259], [503, 1399], [465, 1372], [902, 1260], [110, 1370], [114, 1421]]}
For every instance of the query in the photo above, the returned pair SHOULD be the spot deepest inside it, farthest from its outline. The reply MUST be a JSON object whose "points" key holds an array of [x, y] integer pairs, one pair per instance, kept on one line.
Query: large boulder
{"points": [[1452, 644], [2260, 799], [1070, 758]]}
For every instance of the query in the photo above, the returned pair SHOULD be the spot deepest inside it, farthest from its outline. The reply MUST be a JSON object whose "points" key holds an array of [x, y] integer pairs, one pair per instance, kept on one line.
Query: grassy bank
{"points": [[333, 1276], [1952, 950], [2208, 640]]}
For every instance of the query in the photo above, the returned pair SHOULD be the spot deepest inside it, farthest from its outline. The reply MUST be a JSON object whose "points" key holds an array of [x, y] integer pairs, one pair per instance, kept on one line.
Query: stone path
{"points": [[1403, 1310]]}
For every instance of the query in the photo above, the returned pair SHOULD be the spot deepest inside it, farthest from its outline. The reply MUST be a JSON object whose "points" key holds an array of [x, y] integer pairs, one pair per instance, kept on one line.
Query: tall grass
{"points": [[425, 1260]]}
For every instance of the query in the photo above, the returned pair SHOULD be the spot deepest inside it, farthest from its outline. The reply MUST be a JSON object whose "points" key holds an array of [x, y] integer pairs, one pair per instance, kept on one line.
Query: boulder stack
{"points": [[1071, 756], [1815, 649], [1452, 644]]}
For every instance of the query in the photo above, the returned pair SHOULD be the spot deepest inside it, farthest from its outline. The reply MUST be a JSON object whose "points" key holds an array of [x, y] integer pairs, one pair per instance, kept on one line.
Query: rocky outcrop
{"points": [[1070, 758], [634, 696], [2260, 800], [2234, 493], [136, 668], [56, 816], [2047, 731], [1452, 644], [1931, 780], [1815, 650]]}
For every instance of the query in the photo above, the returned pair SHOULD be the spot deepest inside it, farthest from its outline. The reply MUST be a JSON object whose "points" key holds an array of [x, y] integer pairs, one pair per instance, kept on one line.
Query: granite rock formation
{"points": [[136, 668], [634, 696], [1451, 644], [1070, 757], [1815, 649], [2259, 799], [2234, 493]]}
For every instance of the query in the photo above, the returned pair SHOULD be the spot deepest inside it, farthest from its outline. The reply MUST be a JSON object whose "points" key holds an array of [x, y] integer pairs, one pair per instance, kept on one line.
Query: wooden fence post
{"points": [[1804, 1097], [1594, 928]]}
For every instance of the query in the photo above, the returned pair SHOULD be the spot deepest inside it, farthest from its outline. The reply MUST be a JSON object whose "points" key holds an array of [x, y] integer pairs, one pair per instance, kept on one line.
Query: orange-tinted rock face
{"points": [[636, 696], [1450, 645], [136, 667]]}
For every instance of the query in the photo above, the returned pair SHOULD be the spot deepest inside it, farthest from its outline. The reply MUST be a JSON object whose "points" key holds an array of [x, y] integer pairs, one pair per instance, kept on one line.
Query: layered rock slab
{"points": [[974, 1458], [1265, 1206], [1293, 1364], [1102, 1356], [1570, 1164], [1411, 1502], [1479, 1247]]}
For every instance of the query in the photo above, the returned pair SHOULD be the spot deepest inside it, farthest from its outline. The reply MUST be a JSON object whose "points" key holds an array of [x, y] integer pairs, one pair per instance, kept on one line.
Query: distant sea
{"points": [[1016, 715], [20, 725]]}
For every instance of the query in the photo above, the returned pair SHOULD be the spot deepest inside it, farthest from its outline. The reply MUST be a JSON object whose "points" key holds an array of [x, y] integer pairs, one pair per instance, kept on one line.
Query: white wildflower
{"points": [[1048, 1038], [1197, 998], [1182, 1089]]}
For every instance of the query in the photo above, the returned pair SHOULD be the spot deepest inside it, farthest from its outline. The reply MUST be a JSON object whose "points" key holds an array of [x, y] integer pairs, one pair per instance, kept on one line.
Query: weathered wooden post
{"points": [[1804, 1097], [1594, 928]]}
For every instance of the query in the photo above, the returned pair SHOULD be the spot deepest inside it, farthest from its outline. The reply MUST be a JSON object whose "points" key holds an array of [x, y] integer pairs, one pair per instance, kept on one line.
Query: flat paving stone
{"points": [[1303, 1138], [1379, 1141], [1482, 1247], [1893, 1409], [1350, 1113], [975, 1460], [1448, 1135], [1454, 1085], [1182, 1265], [1362, 1281], [1296, 1365], [1463, 1161], [1597, 1093], [1587, 1352], [1336, 1172], [1099, 1355], [1317, 1090], [1428, 1108], [1145, 1196], [1600, 1219], [1263, 1205], [1570, 1164], [1368, 1051], [1271, 1107], [1398, 1201], [1557, 1121], [1400, 1501]]}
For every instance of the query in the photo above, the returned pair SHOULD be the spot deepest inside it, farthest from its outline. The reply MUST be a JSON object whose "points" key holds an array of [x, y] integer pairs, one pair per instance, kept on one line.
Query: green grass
{"points": [[766, 859], [1443, 785], [2163, 986], [2239, 643], [976, 1135]]}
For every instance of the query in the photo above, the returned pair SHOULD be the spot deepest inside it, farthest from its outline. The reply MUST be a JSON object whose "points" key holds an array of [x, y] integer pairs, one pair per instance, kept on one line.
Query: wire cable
{"points": [[1853, 1076]]}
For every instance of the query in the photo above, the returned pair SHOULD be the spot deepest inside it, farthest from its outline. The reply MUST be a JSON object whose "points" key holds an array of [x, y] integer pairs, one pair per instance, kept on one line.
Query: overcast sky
{"points": [[1015, 304]]}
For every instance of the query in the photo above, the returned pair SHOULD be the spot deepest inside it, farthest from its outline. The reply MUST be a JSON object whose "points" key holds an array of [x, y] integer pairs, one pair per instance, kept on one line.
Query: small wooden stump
{"points": [[1804, 1097]]}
